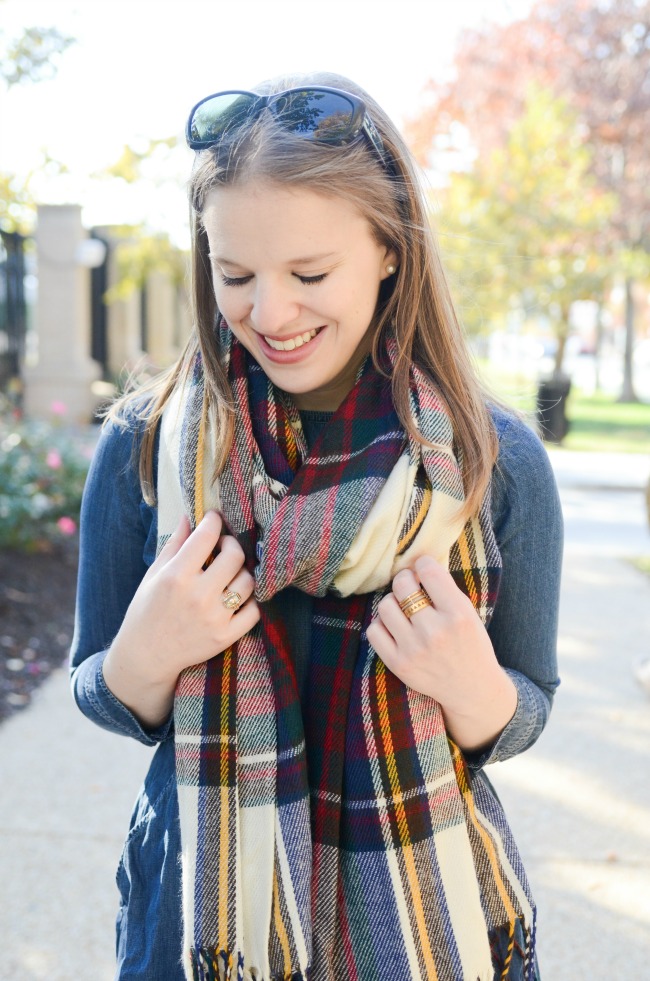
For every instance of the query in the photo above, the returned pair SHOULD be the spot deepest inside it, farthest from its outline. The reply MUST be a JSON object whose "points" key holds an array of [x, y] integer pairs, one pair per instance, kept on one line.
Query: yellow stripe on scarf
{"points": [[409, 535], [224, 789], [463, 547], [280, 927], [488, 844], [407, 848], [291, 445], [198, 482]]}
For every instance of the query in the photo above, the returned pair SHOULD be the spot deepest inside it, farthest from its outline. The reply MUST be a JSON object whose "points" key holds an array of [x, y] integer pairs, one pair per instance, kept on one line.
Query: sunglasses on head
{"points": [[321, 114]]}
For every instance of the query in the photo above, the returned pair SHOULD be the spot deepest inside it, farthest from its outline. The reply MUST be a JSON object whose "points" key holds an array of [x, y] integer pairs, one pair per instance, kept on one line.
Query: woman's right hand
{"points": [[177, 617]]}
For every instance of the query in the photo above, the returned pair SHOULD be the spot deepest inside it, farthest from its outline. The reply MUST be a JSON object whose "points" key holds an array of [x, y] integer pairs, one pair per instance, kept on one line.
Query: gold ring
{"points": [[416, 601], [231, 600]]}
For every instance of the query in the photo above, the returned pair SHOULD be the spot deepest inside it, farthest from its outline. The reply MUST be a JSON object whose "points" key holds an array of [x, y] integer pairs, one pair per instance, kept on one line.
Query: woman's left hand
{"points": [[444, 651]]}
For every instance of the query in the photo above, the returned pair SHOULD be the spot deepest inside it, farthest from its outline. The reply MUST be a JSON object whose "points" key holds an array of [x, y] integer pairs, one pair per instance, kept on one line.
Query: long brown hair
{"points": [[415, 304]]}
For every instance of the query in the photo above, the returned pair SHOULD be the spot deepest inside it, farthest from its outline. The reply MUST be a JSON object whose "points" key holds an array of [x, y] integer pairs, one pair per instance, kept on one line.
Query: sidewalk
{"points": [[578, 802], [600, 471]]}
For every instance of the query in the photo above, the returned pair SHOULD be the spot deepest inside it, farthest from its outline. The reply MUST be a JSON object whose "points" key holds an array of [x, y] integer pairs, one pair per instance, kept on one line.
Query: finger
{"points": [[243, 621], [405, 584], [227, 564], [392, 618], [383, 642], [408, 590], [171, 547], [439, 584], [198, 546], [243, 584]]}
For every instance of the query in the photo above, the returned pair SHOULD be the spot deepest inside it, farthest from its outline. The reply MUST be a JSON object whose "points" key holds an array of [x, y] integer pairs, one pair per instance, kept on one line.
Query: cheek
{"points": [[353, 302], [232, 307]]}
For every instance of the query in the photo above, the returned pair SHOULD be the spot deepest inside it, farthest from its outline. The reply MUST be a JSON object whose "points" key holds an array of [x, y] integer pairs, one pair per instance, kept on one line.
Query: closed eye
{"points": [[311, 280], [234, 281], [242, 280]]}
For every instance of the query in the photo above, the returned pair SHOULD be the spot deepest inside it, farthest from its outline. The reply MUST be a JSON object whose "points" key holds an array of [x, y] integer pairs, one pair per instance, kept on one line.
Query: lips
{"points": [[292, 342]]}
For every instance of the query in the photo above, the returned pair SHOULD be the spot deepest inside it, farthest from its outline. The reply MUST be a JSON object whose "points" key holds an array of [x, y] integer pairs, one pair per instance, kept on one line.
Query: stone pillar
{"points": [[64, 371], [124, 330], [161, 302]]}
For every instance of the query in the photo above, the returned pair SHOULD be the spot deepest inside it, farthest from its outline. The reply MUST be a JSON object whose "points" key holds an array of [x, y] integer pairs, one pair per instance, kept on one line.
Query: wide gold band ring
{"points": [[416, 601], [231, 600]]}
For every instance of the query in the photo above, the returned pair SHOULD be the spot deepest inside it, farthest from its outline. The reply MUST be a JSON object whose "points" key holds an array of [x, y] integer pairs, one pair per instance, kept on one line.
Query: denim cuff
{"points": [[99, 704], [524, 728]]}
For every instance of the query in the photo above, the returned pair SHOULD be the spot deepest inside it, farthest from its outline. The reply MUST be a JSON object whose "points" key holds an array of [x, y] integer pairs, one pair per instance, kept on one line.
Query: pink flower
{"points": [[66, 526], [58, 408], [53, 460]]}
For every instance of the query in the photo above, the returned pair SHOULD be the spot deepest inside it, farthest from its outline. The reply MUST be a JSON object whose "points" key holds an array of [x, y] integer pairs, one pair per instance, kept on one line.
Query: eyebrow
{"points": [[304, 261]]}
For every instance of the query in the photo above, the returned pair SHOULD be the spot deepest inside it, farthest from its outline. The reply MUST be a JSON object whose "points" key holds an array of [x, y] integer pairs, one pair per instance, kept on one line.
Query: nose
{"points": [[274, 307]]}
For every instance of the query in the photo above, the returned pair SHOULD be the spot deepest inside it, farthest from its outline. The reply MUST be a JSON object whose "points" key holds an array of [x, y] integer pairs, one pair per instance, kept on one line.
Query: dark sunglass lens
{"points": [[323, 116], [213, 118]]}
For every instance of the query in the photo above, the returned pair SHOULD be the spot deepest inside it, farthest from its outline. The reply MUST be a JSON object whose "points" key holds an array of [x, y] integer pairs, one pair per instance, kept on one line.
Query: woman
{"points": [[353, 607]]}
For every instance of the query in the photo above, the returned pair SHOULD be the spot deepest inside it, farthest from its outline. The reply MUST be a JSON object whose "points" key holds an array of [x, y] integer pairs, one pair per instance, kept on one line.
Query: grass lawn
{"points": [[596, 422], [642, 564]]}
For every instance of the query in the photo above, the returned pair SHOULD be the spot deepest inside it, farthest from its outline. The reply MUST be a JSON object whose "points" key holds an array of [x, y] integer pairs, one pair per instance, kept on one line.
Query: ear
{"points": [[390, 264]]}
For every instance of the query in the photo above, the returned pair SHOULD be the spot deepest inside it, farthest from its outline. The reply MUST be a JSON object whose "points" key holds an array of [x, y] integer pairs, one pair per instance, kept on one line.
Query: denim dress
{"points": [[118, 544]]}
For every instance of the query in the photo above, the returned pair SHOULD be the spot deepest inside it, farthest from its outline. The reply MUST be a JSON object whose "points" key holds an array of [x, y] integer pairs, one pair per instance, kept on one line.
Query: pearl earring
{"points": [[391, 269]]}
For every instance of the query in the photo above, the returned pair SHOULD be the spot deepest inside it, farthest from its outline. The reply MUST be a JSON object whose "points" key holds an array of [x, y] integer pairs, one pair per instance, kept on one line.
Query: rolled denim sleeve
{"points": [[527, 518], [117, 545]]}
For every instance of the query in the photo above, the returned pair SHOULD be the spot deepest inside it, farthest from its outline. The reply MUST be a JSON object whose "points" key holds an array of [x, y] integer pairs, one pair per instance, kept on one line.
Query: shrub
{"points": [[43, 467]]}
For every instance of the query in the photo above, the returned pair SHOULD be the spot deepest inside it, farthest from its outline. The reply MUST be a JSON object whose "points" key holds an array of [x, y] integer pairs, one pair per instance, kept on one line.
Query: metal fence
{"points": [[13, 310]]}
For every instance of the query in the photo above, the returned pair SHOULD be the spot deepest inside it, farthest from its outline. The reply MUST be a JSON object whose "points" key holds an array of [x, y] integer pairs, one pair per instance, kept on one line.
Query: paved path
{"points": [[579, 801]]}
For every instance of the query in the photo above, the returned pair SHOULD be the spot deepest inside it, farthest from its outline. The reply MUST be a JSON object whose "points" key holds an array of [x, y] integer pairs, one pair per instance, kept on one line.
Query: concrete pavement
{"points": [[579, 801]]}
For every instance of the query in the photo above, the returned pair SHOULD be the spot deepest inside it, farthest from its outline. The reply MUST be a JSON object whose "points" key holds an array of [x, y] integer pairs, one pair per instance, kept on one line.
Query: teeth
{"points": [[292, 343]]}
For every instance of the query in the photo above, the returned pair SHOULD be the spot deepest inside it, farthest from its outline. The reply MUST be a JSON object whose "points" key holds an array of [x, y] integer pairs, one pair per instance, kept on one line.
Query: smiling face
{"points": [[296, 276]]}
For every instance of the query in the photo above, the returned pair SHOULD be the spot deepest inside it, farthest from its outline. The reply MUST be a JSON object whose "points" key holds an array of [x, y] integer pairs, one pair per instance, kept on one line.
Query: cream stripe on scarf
{"points": [[372, 560]]}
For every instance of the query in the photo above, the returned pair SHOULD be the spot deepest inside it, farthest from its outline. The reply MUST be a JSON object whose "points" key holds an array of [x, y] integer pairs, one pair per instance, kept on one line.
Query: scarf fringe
{"points": [[210, 964], [502, 963]]}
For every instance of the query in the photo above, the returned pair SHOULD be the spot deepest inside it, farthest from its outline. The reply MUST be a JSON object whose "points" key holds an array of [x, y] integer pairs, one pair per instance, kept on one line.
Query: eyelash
{"points": [[242, 280]]}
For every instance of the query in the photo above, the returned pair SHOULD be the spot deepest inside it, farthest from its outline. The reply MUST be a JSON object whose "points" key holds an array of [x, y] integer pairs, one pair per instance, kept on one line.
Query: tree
{"points": [[129, 165], [596, 54], [141, 251], [17, 204], [528, 221], [31, 57], [138, 255]]}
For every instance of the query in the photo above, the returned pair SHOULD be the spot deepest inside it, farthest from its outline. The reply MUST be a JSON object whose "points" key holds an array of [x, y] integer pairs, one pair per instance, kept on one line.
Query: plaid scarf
{"points": [[344, 837]]}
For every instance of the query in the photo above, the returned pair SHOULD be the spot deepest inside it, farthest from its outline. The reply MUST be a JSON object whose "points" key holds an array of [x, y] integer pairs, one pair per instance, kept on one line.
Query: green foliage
{"points": [[129, 165], [33, 56], [526, 227], [17, 207], [17, 202], [141, 254], [142, 251], [642, 563], [43, 468]]}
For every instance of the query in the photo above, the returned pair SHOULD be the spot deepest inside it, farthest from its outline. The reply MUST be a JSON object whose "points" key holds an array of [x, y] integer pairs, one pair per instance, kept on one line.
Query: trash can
{"points": [[552, 394]]}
